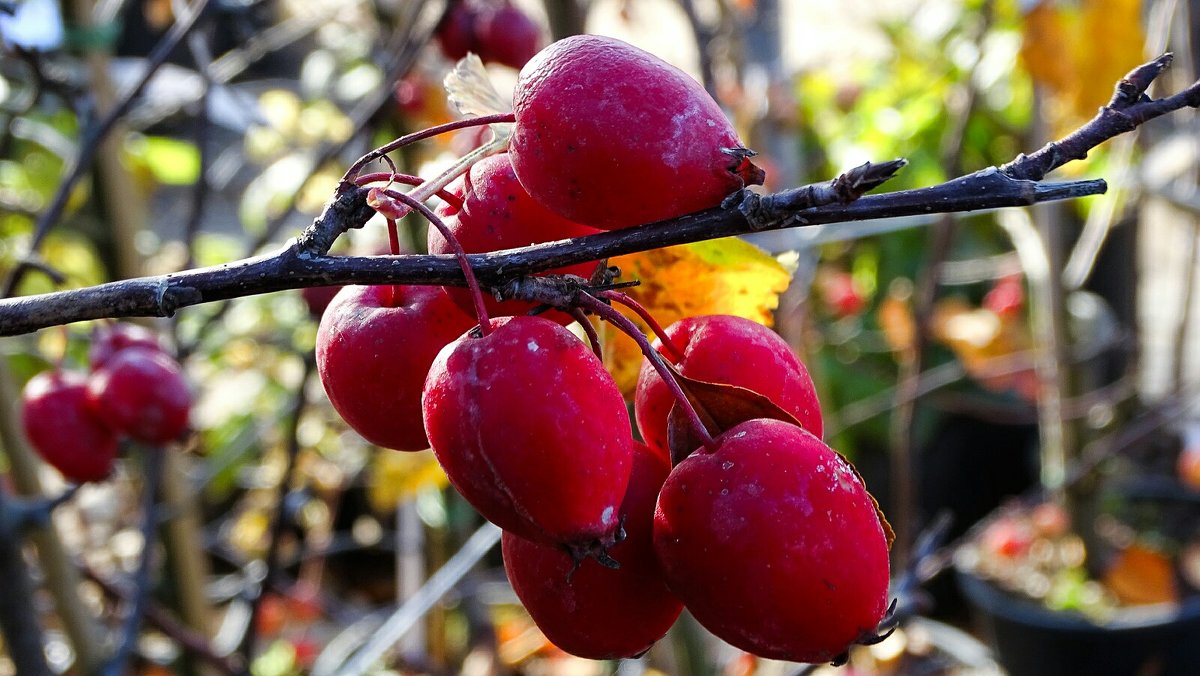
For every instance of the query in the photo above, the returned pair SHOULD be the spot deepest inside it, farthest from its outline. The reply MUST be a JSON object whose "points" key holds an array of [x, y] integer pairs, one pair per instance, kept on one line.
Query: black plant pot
{"points": [[1030, 639]]}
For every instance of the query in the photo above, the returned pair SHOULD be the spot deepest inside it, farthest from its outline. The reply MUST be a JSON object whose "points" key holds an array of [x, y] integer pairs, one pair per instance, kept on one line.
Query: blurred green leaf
{"points": [[170, 161]]}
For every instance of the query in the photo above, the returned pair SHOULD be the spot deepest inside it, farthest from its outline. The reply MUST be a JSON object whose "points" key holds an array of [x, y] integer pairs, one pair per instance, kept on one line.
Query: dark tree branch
{"points": [[305, 261], [19, 623], [18, 514], [138, 599], [1129, 108]]}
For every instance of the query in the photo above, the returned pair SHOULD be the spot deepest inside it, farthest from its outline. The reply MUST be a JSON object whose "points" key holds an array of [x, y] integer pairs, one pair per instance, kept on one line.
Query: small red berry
{"points": [[841, 295], [497, 214], [532, 431], [773, 543], [374, 347], [506, 35], [732, 351], [456, 32], [108, 339], [593, 611], [317, 298], [611, 136], [1007, 297], [62, 429], [143, 393]]}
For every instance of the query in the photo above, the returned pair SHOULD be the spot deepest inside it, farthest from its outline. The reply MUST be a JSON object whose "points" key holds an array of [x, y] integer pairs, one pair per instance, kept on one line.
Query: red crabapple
{"points": [[594, 611], [456, 32], [611, 136], [62, 429], [532, 431], [374, 347], [141, 392], [108, 339], [773, 543], [317, 298], [733, 351], [496, 214], [506, 35]]}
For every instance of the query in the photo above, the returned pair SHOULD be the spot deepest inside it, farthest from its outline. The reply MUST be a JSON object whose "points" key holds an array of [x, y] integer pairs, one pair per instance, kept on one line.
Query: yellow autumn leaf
{"points": [[395, 476], [1078, 52], [723, 276]]}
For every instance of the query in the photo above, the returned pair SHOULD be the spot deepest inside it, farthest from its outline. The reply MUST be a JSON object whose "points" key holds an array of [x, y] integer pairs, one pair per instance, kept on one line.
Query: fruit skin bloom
{"points": [[532, 431], [773, 543], [611, 136]]}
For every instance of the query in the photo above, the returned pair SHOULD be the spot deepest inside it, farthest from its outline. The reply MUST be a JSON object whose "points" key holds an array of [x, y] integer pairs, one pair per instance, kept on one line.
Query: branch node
{"points": [[750, 206]]}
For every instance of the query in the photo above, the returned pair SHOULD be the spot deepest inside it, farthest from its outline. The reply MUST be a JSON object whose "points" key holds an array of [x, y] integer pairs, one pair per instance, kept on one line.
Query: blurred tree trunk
{"points": [[567, 17]]}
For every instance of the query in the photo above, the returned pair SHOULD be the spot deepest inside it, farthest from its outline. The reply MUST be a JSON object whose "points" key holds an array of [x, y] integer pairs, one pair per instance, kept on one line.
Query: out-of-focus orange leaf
{"points": [[1046, 50], [895, 318], [1077, 52], [1110, 44], [724, 276], [980, 337], [1142, 576]]}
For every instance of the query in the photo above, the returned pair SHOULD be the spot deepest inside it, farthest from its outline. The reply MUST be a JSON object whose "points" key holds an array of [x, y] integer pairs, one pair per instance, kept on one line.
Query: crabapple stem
{"points": [[629, 302], [459, 254], [406, 179], [393, 237], [394, 243], [614, 317], [407, 139], [589, 330]]}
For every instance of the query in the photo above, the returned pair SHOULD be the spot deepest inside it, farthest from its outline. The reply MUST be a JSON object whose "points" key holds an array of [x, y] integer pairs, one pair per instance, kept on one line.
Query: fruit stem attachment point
{"points": [[629, 302], [614, 317], [459, 254]]}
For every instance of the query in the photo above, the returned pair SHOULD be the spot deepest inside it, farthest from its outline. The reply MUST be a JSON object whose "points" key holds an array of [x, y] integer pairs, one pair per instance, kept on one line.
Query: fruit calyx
{"points": [[887, 627], [749, 172]]}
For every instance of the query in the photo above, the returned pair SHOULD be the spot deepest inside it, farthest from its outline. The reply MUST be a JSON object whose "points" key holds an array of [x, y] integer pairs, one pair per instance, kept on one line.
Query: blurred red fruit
{"points": [[62, 429]]}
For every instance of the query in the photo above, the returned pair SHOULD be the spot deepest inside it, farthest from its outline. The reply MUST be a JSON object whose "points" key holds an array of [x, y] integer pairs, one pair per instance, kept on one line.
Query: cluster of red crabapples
{"points": [[763, 532], [496, 30], [75, 420]]}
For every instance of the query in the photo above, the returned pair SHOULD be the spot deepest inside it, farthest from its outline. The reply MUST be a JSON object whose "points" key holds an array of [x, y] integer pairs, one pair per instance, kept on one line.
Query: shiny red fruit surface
{"points": [[733, 351], [594, 611], [532, 431], [773, 543], [611, 136], [374, 347], [143, 393], [62, 429]]}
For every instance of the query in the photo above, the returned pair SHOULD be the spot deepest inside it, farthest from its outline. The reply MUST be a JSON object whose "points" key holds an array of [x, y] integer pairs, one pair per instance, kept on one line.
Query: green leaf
{"points": [[170, 161]]}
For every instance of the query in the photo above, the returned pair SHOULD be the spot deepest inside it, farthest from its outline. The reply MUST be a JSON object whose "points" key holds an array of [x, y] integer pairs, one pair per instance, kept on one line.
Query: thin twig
{"points": [[278, 517], [135, 610], [1129, 108]]}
